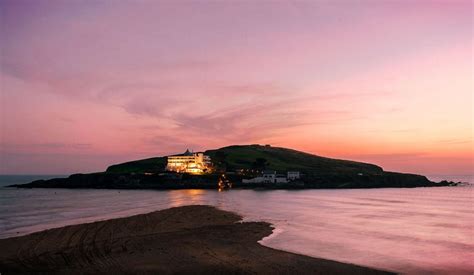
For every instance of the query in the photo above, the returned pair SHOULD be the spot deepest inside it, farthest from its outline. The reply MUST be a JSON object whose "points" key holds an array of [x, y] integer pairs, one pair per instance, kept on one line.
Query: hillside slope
{"points": [[156, 164], [284, 159], [259, 157], [319, 172]]}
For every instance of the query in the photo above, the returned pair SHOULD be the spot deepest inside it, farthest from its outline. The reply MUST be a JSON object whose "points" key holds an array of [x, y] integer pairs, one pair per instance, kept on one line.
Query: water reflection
{"points": [[405, 230], [185, 197]]}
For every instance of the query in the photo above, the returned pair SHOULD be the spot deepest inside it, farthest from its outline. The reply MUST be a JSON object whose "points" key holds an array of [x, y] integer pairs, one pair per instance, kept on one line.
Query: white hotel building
{"points": [[188, 162]]}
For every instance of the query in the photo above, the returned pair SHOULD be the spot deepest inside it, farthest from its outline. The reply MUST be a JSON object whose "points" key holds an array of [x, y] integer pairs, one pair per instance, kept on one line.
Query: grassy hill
{"points": [[156, 164], [319, 172], [259, 157], [284, 159]]}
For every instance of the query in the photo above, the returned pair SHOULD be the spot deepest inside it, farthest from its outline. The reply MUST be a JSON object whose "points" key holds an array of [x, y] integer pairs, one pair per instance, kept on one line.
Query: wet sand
{"points": [[189, 239]]}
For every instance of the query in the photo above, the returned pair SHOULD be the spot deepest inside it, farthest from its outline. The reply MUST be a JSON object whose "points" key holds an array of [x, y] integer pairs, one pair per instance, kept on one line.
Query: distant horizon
{"points": [[152, 156], [68, 174], [87, 84]]}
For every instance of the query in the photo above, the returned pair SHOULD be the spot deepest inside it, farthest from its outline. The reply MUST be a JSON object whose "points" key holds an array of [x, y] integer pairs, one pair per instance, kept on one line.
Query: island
{"points": [[239, 166]]}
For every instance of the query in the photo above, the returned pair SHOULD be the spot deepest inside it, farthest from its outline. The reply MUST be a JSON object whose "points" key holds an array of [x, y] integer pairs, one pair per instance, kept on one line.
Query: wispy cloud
{"points": [[49, 146], [392, 156], [152, 77], [455, 141]]}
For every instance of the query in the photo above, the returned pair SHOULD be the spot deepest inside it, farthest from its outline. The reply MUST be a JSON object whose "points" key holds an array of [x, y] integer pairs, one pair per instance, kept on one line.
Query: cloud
{"points": [[455, 141], [153, 76], [48, 146], [392, 156], [165, 144]]}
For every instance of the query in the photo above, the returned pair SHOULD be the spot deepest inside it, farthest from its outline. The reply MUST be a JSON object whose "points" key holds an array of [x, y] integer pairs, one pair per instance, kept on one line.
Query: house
{"points": [[293, 175], [280, 178], [268, 177], [189, 162]]}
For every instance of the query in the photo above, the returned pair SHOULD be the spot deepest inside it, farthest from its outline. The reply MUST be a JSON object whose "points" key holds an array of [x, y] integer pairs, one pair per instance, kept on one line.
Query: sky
{"points": [[85, 84]]}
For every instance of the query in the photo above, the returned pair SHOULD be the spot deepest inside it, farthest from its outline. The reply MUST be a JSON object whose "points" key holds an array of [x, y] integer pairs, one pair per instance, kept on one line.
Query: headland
{"points": [[240, 166]]}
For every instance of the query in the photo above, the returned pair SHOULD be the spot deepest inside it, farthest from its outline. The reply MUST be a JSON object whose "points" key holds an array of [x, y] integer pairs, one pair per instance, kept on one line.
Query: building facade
{"points": [[188, 162], [273, 177], [293, 175]]}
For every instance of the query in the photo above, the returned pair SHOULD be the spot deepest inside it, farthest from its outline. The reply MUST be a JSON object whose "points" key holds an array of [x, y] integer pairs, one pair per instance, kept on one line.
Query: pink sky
{"points": [[85, 84]]}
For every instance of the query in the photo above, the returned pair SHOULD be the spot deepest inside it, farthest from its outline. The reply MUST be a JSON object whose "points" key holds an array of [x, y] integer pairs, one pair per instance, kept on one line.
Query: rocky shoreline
{"points": [[164, 181]]}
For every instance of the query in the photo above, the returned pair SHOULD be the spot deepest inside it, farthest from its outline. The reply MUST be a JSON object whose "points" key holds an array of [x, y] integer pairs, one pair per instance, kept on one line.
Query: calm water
{"points": [[421, 230]]}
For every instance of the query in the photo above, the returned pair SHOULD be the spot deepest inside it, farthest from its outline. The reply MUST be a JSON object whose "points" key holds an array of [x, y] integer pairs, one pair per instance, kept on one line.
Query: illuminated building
{"points": [[188, 162]]}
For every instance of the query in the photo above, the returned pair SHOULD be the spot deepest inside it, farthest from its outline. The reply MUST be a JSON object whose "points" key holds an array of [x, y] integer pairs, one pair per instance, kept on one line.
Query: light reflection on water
{"points": [[405, 230]]}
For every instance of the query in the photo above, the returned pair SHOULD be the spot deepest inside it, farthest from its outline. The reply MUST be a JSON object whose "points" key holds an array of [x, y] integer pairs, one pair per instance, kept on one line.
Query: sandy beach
{"points": [[190, 239]]}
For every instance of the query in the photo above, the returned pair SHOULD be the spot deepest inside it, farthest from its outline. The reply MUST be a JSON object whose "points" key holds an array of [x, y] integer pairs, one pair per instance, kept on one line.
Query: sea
{"points": [[405, 230]]}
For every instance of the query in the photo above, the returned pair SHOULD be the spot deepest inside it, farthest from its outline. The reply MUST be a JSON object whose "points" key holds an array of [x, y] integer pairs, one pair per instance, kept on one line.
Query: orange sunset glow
{"points": [[86, 86]]}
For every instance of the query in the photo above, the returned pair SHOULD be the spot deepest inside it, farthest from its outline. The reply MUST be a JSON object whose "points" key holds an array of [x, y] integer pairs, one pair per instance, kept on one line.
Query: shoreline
{"points": [[188, 239], [173, 181]]}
